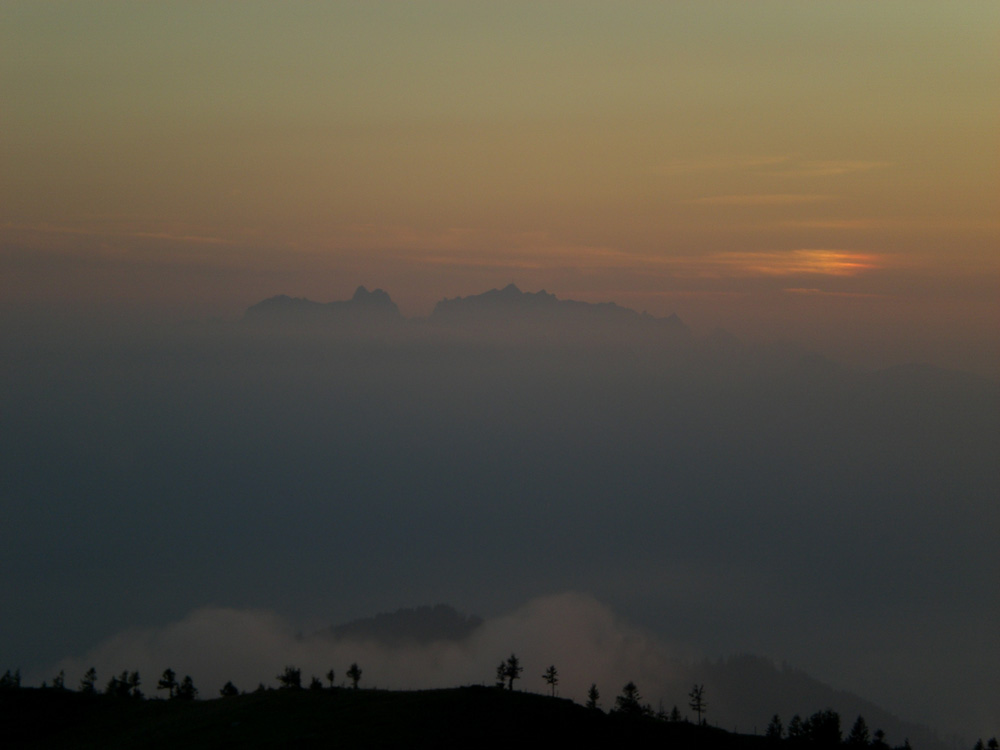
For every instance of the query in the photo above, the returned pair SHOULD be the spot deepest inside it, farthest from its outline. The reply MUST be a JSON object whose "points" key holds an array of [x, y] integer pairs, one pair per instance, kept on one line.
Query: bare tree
{"points": [[697, 703], [551, 676]]}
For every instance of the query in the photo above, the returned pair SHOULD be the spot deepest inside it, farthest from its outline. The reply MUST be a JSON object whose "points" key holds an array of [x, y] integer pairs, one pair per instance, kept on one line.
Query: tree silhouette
{"points": [[87, 683], [512, 671], [859, 733], [168, 682], [315, 683], [133, 684], [993, 744], [593, 696], [878, 740], [59, 681], [796, 729], [186, 690], [330, 676], [125, 686], [629, 701], [551, 676], [697, 702], [675, 714], [229, 690], [11, 680], [354, 675], [774, 729], [501, 674], [823, 727], [291, 678]]}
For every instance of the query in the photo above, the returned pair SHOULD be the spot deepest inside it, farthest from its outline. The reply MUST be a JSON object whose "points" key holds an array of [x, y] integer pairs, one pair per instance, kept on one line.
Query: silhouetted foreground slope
{"points": [[471, 717]]}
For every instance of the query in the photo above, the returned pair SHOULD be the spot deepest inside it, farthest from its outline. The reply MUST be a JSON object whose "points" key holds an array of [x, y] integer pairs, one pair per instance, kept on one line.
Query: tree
{"points": [[774, 729], [11, 680], [501, 675], [291, 678], [859, 733], [168, 682], [59, 681], [823, 727], [124, 686], [330, 676], [593, 696], [993, 744], [229, 690], [796, 730], [629, 702], [512, 671], [315, 683], [87, 683], [675, 714], [186, 690], [551, 676], [133, 685], [697, 702], [878, 740], [354, 675]]}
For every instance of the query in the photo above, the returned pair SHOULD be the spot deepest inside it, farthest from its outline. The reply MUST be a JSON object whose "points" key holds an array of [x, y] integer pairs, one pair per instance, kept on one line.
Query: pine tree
{"points": [[186, 690], [291, 678], [354, 675], [629, 702], [774, 729], [859, 733], [168, 682], [512, 671], [551, 676], [697, 702], [593, 696], [87, 683], [229, 690]]}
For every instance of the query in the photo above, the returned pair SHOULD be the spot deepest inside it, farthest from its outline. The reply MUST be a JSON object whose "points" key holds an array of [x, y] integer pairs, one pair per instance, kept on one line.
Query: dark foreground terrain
{"points": [[471, 717]]}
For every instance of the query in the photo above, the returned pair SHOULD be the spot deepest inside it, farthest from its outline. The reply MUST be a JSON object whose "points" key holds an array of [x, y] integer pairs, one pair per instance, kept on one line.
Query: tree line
{"points": [[822, 728]]}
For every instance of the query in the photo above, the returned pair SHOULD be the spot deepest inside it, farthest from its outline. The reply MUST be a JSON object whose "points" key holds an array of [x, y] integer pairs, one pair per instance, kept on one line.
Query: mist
{"points": [[248, 483]]}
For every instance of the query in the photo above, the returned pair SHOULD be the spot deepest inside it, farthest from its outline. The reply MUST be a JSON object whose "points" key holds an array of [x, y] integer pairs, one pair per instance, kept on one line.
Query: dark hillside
{"points": [[477, 717]]}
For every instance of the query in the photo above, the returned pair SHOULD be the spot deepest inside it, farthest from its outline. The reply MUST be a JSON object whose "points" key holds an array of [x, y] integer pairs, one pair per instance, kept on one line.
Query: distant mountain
{"points": [[745, 691], [418, 626], [364, 307], [512, 307]]}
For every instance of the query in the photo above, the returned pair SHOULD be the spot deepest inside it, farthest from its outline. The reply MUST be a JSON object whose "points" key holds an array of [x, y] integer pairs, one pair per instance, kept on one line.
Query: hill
{"points": [[465, 717]]}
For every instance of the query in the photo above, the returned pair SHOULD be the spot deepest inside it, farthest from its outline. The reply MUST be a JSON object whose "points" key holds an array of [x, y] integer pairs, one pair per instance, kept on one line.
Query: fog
{"points": [[168, 491]]}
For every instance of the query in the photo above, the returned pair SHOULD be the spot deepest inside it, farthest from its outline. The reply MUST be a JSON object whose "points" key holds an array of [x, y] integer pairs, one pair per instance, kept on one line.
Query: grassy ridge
{"points": [[470, 717]]}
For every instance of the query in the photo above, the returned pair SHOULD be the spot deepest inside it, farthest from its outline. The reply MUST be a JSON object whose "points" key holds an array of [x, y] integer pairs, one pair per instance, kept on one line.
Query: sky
{"points": [[820, 172], [825, 174]]}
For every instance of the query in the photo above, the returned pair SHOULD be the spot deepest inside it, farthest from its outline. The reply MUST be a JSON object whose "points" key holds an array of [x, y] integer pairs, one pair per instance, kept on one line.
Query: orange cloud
{"points": [[801, 262]]}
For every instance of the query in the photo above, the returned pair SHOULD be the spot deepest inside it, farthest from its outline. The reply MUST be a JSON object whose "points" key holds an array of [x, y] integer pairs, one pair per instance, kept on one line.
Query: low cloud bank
{"points": [[584, 639]]}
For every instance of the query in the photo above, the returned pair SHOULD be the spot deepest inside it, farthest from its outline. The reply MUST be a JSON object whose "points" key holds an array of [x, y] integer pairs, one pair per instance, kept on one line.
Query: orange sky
{"points": [[821, 172]]}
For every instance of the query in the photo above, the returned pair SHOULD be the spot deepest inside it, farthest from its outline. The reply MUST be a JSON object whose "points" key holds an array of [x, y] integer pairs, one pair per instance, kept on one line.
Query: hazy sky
{"points": [[824, 172]]}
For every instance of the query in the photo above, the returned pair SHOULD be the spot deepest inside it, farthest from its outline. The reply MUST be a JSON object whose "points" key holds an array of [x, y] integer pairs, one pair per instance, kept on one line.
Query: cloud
{"points": [[719, 164], [765, 199], [105, 232], [582, 637], [832, 168]]}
